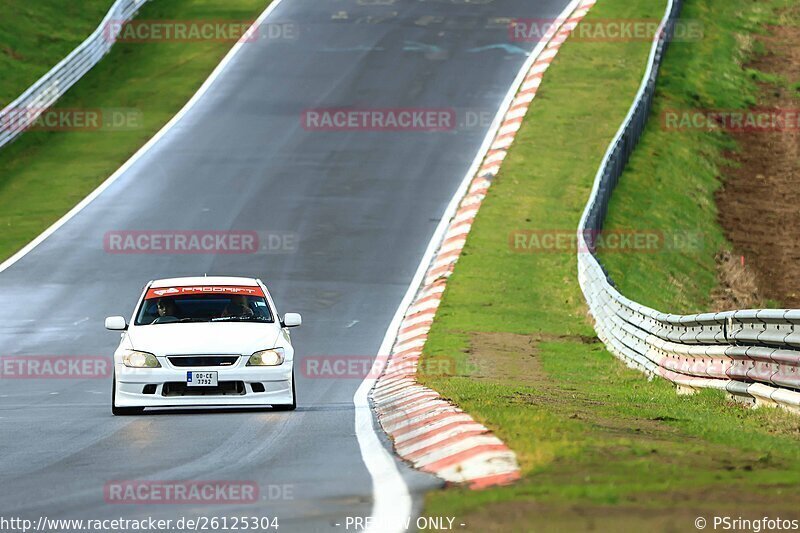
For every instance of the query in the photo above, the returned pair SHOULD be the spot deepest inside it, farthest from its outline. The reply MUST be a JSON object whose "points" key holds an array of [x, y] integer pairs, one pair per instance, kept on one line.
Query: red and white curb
{"points": [[428, 431]]}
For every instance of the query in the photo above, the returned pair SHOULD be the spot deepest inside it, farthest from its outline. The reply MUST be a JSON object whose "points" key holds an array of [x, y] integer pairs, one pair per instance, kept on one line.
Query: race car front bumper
{"points": [[237, 385]]}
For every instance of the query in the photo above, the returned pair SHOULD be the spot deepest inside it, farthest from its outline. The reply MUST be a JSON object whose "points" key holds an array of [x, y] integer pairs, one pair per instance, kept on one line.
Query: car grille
{"points": [[224, 388], [203, 360]]}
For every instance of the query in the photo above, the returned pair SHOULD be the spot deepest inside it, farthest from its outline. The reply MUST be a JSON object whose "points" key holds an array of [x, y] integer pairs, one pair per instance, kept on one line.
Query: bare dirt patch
{"points": [[759, 203], [513, 359], [13, 54], [738, 285], [510, 357], [499, 357]]}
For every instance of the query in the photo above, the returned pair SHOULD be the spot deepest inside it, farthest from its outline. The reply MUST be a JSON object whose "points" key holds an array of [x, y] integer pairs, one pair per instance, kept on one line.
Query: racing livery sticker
{"points": [[202, 289]]}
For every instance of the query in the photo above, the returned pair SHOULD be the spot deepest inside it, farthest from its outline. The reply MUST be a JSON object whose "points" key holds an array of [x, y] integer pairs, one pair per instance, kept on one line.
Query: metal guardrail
{"points": [[20, 114], [751, 354]]}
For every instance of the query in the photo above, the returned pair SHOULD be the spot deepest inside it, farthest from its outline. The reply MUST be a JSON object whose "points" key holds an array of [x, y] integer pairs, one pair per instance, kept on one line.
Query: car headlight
{"points": [[272, 357], [135, 359]]}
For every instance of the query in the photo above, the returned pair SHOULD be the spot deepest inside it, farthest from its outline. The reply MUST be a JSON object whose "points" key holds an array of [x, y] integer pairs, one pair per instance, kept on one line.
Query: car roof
{"points": [[204, 280]]}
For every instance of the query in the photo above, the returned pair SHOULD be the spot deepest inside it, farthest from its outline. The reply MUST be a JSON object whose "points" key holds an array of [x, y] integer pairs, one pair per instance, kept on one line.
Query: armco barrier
{"points": [[751, 354], [49, 88]]}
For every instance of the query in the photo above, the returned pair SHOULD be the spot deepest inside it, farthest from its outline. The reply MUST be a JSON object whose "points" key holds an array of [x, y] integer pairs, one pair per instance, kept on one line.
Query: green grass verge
{"points": [[46, 173], [34, 36], [599, 445]]}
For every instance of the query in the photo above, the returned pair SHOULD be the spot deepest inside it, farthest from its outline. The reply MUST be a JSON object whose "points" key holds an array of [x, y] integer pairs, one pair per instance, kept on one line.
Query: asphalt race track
{"points": [[359, 206]]}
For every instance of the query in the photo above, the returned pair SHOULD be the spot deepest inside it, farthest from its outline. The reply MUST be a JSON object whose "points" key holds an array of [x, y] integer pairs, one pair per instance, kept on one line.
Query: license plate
{"points": [[201, 379]]}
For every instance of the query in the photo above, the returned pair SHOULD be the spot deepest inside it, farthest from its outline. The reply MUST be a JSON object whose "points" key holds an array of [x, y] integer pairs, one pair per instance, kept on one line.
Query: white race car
{"points": [[204, 341]]}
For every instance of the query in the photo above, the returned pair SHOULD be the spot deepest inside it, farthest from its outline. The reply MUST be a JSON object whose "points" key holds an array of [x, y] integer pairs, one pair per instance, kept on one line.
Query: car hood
{"points": [[204, 338]]}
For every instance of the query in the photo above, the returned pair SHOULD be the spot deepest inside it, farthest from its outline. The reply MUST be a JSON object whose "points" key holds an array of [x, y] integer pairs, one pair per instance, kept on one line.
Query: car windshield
{"points": [[203, 308]]}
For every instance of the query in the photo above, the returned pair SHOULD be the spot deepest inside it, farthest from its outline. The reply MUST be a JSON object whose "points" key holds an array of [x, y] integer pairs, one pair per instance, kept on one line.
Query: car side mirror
{"points": [[291, 320], [116, 323]]}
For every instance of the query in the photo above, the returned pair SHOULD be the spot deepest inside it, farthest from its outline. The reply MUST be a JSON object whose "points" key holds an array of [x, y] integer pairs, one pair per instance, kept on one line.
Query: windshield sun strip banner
{"points": [[163, 292]]}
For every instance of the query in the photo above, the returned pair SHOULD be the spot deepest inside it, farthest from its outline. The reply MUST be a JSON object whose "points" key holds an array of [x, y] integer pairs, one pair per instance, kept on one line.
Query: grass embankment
{"points": [[45, 173], [671, 180], [600, 446], [34, 36]]}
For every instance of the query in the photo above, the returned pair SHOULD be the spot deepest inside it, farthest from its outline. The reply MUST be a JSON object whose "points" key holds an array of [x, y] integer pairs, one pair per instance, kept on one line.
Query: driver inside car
{"points": [[167, 307], [238, 306]]}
